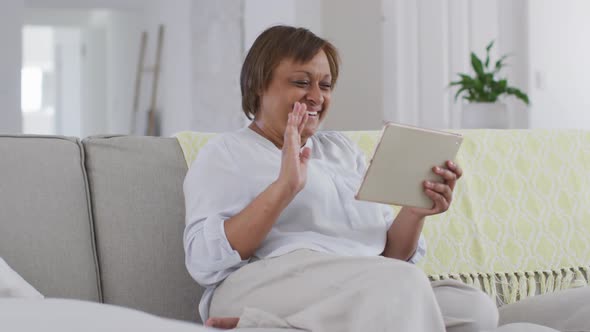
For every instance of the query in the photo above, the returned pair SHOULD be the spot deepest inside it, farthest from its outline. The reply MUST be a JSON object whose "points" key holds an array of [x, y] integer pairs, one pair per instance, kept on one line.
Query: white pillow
{"points": [[64, 315], [13, 285]]}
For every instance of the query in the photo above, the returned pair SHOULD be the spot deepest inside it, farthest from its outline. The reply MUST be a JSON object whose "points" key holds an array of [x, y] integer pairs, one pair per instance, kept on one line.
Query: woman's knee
{"points": [[405, 276], [470, 308], [397, 267], [563, 310]]}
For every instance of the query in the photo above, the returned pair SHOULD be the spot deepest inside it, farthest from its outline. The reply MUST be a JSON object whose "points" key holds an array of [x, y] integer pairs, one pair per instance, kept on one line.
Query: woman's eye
{"points": [[302, 83], [326, 86]]}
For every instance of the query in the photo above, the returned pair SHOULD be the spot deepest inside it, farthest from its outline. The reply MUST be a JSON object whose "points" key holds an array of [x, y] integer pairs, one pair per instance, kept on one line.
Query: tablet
{"points": [[402, 160]]}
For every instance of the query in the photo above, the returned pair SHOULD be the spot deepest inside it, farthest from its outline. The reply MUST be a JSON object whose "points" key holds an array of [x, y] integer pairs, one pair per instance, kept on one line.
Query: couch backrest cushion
{"points": [[45, 224], [138, 208]]}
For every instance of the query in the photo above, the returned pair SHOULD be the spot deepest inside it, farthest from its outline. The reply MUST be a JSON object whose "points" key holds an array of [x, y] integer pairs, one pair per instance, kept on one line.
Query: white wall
{"points": [[398, 57], [68, 66], [174, 90], [11, 17], [560, 65], [38, 47], [56, 51], [56, 17], [400, 61], [123, 34], [427, 42], [111, 41], [355, 28], [94, 74], [38, 52], [258, 15], [459, 18], [514, 39], [308, 14], [216, 37], [93, 115], [87, 4], [434, 67], [262, 14]]}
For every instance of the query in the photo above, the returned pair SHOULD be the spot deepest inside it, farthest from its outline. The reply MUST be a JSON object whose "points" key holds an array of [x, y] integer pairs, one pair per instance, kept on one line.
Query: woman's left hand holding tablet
{"points": [[441, 193]]}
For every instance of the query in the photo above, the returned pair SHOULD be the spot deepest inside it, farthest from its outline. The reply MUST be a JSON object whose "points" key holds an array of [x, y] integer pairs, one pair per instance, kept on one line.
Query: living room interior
{"points": [[404, 54], [79, 88]]}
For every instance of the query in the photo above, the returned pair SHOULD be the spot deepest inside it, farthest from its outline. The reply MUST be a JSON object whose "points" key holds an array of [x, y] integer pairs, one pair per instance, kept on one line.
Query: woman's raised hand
{"points": [[293, 172]]}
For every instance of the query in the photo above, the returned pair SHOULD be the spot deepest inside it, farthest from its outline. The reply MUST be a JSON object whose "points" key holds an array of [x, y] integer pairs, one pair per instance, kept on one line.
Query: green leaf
{"points": [[488, 79], [484, 85], [489, 47], [518, 94], [477, 65], [487, 63], [499, 87], [500, 63], [465, 77], [459, 92]]}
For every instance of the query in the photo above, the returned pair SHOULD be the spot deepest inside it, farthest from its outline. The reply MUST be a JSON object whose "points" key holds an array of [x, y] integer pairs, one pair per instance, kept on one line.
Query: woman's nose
{"points": [[314, 94]]}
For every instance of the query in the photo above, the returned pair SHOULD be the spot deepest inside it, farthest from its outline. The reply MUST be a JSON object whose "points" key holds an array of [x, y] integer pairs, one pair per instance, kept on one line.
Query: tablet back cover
{"points": [[402, 160]]}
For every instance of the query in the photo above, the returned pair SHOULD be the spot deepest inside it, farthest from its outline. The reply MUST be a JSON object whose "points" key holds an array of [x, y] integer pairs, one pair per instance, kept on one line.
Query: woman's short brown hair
{"points": [[269, 49]]}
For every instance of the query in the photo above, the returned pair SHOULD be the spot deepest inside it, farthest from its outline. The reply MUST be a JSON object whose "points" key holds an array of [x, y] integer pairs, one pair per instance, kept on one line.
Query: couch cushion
{"points": [[138, 208], [26, 315], [13, 285], [45, 226]]}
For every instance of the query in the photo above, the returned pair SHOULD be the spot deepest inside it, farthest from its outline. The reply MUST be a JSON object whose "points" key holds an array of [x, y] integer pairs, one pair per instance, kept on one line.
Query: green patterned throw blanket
{"points": [[519, 224]]}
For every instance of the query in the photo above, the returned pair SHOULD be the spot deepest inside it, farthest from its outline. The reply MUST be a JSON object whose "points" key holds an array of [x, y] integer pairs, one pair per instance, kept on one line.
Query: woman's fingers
{"points": [[442, 193], [291, 131], [304, 117], [450, 175], [294, 160], [304, 155], [298, 115], [293, 114], [455, 168], [441, 189], [446, 174], [440, 203], [295, 124]]}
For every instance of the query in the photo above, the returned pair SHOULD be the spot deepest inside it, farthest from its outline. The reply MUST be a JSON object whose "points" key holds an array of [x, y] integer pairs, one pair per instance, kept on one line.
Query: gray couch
{"points": [[98, 220]]}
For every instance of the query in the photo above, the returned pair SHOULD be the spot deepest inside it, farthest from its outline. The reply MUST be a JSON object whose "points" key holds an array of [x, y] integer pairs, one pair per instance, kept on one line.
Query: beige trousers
{"points": [[313, 291], [566, 311]]}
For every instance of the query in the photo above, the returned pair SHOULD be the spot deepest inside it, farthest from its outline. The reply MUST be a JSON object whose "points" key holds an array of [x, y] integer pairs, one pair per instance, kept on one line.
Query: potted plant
{"points": [[483, 90]]}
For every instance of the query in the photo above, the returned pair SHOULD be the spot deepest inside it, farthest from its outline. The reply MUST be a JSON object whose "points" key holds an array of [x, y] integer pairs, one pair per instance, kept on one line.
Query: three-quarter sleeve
{"points": [[420, 251], [388, 215], [212, 195]]}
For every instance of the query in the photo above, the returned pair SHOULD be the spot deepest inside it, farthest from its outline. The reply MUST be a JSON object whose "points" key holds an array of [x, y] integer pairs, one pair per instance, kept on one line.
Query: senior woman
{"points": [[274, 232]]}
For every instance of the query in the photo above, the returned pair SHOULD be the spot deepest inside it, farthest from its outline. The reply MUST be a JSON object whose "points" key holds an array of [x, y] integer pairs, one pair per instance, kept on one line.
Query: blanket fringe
{"points": [[511, 287]]}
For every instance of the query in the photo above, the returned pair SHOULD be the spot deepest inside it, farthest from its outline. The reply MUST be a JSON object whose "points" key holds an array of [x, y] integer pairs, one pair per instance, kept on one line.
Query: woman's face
{"points": [[308, 83]]}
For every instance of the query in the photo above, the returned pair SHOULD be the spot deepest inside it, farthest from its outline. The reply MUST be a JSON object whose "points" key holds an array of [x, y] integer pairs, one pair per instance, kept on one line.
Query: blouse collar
{"points": [[266, 142]]}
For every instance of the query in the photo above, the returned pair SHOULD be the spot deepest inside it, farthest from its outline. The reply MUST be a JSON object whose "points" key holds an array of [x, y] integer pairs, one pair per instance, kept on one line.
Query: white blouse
{"points": [[234, 168]]}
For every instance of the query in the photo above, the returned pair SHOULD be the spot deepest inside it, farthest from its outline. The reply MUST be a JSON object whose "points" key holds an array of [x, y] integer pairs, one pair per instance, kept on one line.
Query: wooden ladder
{"points": [[141, 69]]}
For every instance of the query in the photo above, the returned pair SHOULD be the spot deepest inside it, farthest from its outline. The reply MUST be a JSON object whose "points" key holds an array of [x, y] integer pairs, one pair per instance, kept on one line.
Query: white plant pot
{"points": [[484, 116]]}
